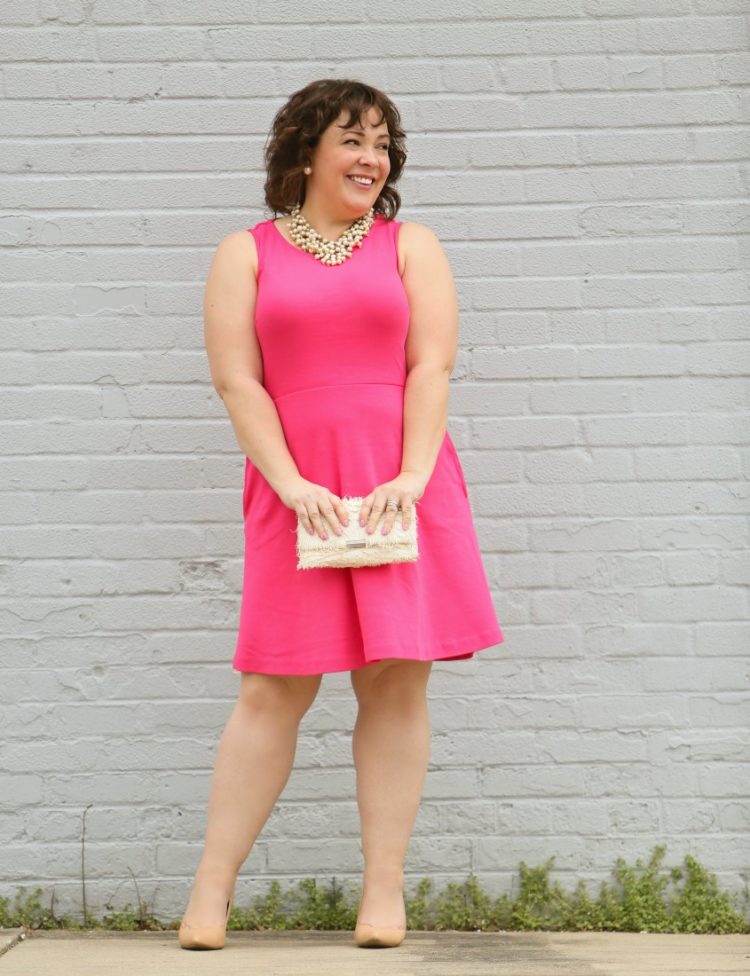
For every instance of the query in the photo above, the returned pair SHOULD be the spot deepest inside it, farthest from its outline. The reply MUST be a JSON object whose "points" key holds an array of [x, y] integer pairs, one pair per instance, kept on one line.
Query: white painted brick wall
{"points": [[585, 165]]}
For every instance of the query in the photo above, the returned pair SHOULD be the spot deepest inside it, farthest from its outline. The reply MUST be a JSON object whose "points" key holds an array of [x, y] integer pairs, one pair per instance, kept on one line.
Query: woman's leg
{"points": [[253, 763], [391, 746]]}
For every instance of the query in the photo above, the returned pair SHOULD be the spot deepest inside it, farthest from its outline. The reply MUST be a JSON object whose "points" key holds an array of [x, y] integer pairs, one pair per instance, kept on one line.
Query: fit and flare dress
{"points": [[332, 340]]}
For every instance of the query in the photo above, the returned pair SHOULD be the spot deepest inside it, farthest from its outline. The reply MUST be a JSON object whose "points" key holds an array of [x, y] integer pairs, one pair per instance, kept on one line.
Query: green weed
{"points": [[644, 898]]}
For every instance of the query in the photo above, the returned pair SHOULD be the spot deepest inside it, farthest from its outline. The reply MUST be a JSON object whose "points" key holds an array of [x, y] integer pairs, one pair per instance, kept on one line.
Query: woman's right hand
{"points": [[313, 504]]}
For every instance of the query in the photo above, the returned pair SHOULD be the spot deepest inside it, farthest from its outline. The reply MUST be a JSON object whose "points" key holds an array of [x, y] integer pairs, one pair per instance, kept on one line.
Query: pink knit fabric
{"points": [[332, 340]]}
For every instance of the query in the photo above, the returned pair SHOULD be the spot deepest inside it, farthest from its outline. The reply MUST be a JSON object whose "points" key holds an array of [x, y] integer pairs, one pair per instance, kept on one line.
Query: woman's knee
{"points": [[397, 677], [275, 693]]}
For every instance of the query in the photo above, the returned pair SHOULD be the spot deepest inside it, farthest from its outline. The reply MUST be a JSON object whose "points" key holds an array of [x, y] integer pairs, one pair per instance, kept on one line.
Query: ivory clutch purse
{"points": [[356, 547]]}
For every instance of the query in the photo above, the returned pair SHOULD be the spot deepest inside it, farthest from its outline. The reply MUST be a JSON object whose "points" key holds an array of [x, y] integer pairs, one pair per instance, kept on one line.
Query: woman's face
{"points": [[341, 154]]}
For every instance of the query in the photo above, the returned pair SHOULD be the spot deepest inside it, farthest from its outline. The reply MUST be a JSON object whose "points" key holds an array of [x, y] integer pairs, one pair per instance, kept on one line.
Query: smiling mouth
{"points": [[365, 186]]}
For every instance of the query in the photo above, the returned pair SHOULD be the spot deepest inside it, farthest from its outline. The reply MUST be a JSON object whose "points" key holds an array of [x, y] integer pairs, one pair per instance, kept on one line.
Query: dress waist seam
{"points": [[334, 386]]}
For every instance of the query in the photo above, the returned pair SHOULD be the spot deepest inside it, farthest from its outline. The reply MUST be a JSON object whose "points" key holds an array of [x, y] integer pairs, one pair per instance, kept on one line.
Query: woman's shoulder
{"points": [[415, 240], [416, 231], [416, 236], [238, 246]]}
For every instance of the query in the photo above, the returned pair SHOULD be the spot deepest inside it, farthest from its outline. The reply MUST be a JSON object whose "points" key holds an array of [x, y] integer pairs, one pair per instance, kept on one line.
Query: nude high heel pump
{"points": [[204, 936], [369, 936]]}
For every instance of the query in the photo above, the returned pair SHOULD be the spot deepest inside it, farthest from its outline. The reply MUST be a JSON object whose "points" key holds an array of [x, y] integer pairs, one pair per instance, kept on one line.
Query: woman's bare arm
{"points": [[236, 362], [431, 346]]}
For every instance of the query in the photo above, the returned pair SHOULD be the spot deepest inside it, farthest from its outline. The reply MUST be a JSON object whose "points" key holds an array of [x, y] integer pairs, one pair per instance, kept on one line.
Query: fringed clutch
{"points": [[356, 547]]}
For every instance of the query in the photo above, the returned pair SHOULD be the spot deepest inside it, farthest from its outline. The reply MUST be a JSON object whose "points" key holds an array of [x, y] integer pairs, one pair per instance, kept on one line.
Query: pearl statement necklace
{"points": [[330, 252]]}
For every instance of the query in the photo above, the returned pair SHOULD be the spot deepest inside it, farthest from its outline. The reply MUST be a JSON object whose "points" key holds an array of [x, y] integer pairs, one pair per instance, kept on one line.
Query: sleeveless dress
{"points": [[332, 340]]}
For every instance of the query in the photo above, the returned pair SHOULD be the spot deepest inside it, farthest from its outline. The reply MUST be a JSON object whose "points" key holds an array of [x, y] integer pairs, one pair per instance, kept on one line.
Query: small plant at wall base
{"points": [[641, 901]]}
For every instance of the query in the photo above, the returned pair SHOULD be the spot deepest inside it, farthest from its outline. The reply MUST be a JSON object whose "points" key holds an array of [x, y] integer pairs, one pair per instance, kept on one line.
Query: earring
{"points": [[308, 170]]}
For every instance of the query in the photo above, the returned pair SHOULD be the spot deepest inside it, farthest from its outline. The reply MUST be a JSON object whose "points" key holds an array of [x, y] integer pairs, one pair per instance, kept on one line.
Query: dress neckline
{"points": [[286, 239]]}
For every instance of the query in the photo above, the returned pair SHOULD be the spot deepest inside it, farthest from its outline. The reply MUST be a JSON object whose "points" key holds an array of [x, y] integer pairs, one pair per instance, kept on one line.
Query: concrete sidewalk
{"points": [[60, 953]]}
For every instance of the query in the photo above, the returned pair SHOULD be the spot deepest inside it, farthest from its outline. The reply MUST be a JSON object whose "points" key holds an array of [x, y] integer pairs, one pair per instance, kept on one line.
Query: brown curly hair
{"points": [[298, 126]]}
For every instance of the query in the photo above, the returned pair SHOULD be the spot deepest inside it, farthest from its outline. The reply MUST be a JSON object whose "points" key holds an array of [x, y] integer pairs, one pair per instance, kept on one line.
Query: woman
{"points": [[333, 362]]}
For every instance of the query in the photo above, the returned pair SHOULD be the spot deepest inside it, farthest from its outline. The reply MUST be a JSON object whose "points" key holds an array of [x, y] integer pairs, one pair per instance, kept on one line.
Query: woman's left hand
{"points": [[406, 489]]}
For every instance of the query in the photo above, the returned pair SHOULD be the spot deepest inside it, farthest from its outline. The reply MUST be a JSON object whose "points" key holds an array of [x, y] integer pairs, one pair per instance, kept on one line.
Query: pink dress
{"points": [[332, 339]]}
